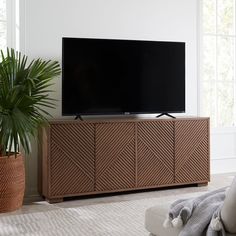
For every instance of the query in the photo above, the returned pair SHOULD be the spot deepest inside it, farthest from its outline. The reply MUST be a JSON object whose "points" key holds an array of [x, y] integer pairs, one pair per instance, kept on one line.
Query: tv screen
{"points": [[110, 76]]}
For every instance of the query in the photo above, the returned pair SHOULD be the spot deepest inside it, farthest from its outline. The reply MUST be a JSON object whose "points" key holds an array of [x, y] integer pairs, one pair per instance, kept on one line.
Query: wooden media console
{"points": [[102, 156]]}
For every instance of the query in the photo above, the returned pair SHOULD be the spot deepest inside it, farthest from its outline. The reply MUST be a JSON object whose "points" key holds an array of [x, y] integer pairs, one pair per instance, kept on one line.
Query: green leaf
{"points": [[24, 97]]}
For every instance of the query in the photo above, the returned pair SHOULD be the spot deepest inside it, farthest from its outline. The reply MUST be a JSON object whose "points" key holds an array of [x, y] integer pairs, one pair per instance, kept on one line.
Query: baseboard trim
{"points": [[223, 165], [223, 158]]}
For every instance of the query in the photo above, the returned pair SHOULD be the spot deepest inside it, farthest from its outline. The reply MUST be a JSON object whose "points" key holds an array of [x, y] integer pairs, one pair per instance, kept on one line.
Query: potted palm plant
{"points": [[23, 101]]}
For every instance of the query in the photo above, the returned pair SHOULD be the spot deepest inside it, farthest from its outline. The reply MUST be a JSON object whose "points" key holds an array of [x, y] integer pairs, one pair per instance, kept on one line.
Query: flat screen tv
{"points": [[114, 76]]}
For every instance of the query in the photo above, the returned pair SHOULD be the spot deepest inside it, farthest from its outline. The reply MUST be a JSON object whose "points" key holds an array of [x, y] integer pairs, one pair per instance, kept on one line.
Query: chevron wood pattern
{"points": [[71, 158], [115, 156], [155, 153], [191, 151], [89, 157]]}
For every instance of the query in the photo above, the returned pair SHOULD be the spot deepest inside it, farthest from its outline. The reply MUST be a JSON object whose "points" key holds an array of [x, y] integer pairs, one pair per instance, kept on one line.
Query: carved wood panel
{"points": [[94, 156], [115, 156], [71, 158], [155, 153], [191, 151]]}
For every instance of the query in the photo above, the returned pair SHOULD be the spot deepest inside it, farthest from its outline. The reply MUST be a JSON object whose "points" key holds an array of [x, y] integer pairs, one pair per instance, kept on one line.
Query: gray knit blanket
{"points": [[198, 216]]}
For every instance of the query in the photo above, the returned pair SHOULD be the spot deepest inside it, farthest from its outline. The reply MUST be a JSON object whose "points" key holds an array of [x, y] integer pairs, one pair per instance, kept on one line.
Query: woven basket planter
{"points": [[12, 182]]}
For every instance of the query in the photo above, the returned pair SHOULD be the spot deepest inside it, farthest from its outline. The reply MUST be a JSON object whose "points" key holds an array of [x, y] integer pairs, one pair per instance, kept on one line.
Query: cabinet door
{"points": [[155, 153], [191, 151], [115, 156], [71, 159]]}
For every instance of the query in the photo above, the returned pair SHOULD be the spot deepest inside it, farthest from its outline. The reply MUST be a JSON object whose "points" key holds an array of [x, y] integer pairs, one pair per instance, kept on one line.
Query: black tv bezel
{"points": [[125, 112]]}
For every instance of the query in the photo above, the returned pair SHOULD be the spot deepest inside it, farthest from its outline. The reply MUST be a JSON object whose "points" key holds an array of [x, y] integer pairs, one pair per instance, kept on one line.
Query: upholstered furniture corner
{"points": [[155, 216]]}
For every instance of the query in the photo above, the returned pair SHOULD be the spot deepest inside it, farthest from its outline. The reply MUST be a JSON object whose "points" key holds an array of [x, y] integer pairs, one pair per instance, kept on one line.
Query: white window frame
{"points": [[15, 10], [10, 9]]}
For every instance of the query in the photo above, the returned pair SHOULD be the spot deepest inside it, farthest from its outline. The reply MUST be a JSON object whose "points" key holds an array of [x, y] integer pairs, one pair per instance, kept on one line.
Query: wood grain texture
{"points": [[71, 159], [115, 156], [92, 157], [155, 153], [191, 151]]}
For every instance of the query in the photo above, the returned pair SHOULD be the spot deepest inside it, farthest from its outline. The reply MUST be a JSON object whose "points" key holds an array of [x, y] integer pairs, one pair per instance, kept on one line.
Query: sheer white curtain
{"points": [[9, 24], [3, 24], [218, 69]]}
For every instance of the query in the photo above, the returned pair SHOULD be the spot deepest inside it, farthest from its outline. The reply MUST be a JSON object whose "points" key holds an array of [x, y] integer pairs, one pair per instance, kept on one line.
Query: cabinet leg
{"points": [[54, 200], [202, 184]]}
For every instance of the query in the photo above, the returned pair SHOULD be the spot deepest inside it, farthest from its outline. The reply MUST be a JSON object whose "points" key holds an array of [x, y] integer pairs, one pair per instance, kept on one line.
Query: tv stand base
{"points": [[166, 114], [202, 184], [54, 200], [79, 117]]}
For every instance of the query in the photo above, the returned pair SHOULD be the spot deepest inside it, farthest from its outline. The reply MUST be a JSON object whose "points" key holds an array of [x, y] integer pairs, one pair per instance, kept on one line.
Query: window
{"points": [[9, 24], [218, 81], [3, 24]]}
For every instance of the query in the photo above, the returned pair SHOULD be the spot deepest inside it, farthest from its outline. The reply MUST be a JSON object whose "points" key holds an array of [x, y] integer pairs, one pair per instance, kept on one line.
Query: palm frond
{"points": [[24, 97]]}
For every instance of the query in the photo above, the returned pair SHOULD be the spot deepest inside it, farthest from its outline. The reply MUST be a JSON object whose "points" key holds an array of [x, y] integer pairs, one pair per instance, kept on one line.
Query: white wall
{"points": [[47, 21], [223, 150]]}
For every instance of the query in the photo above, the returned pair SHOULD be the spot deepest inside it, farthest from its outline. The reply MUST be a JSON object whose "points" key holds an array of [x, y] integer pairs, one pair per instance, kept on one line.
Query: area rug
{"points": [[109, 219]]}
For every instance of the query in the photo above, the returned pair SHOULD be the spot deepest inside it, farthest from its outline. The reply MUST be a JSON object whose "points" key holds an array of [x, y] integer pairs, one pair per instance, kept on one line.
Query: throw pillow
{"points": [[228, 211]]}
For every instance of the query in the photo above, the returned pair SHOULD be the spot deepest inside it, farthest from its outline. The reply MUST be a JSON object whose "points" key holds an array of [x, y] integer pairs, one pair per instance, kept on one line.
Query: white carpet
{"points": [[111, 219]]}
